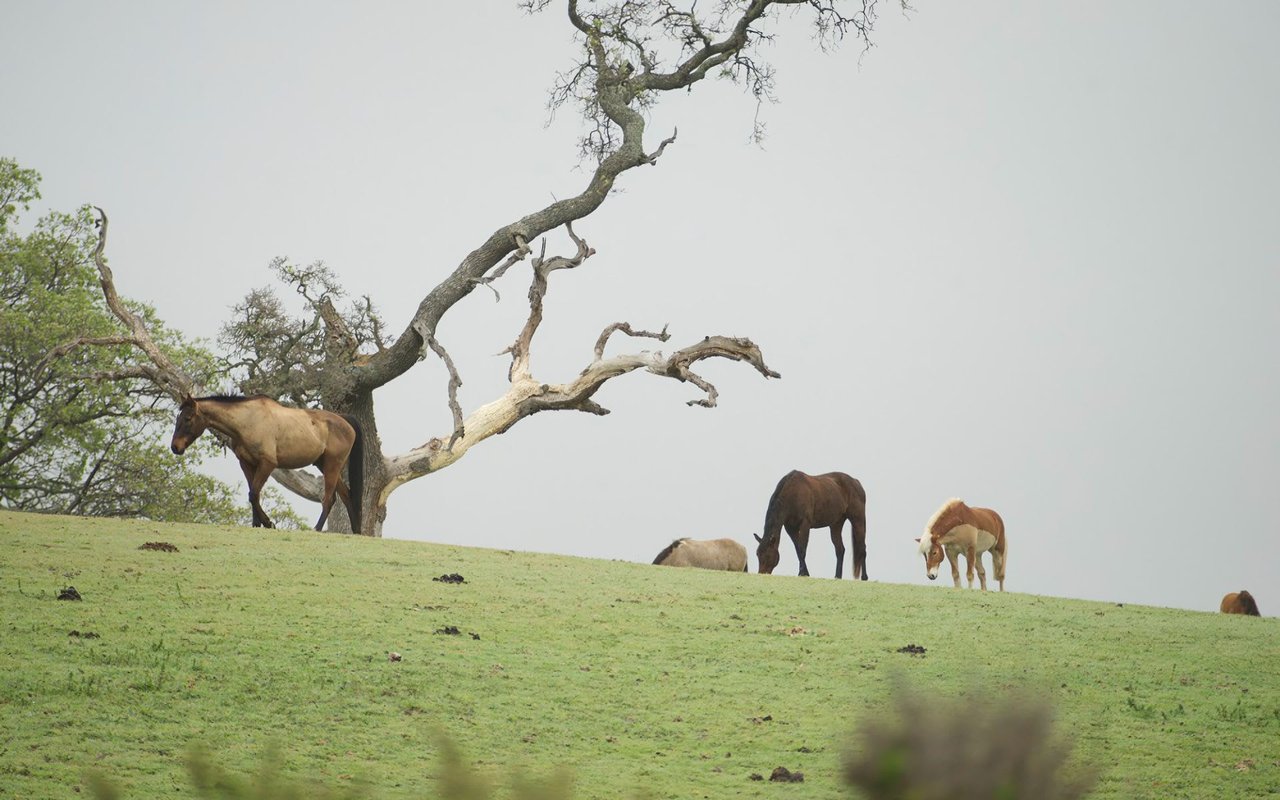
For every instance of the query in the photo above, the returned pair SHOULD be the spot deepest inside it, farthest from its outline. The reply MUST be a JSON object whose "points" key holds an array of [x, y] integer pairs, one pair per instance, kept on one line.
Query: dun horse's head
{"points": [[931, 549], [188, 428], [766, 554]]}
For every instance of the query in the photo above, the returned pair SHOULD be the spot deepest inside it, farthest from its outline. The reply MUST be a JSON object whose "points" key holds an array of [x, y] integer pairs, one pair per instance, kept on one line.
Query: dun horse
{"points": [[265, 435], [801, 502], [1240, 602], [725, 554], [956, 528]]}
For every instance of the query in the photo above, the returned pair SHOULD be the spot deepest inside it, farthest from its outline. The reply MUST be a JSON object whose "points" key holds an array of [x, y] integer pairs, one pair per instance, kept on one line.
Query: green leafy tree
{"points": [[83, 428]]}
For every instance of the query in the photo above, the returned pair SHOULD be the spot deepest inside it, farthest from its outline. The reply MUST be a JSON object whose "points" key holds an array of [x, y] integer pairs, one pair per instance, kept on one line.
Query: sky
{"points": [[1025, 254]]}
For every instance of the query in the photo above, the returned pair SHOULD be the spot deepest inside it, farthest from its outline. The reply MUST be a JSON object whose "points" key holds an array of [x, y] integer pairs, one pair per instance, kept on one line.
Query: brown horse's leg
{"points": [[260, 475], [838, 543], [800, 538], [982, 573], [969, 556]]}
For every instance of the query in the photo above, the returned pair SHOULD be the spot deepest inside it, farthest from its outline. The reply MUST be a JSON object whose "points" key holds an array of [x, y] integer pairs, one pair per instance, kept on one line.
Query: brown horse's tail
{"points": [[1247, 602], [355, 473]]}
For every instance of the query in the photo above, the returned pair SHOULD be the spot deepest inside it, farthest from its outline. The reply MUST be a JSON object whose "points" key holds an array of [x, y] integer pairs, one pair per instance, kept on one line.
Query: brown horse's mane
{"points": [[1248, 603], [663, 555]]}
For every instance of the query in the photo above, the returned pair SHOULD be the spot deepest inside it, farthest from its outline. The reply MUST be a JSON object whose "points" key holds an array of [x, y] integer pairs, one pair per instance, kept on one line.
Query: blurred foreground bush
{"points": [[984, 748], [456, 781]]}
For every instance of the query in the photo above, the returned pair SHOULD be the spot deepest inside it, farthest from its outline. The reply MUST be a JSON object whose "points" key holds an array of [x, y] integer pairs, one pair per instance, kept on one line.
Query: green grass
{"points": [[642, 681]]}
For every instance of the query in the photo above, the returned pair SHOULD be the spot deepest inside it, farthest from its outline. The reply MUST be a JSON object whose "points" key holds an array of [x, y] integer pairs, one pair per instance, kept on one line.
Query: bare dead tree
{"points": [[631, 52]]}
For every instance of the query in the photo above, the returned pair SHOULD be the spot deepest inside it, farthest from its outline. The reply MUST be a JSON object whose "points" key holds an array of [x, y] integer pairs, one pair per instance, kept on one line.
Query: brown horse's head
{"points": [[931, 549], [766, 554], [189, 426]]}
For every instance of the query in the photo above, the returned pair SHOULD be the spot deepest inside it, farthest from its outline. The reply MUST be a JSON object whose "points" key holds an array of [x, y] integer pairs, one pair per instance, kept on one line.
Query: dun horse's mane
{"points": [[230, 398], [663, 555], [947, 506]]}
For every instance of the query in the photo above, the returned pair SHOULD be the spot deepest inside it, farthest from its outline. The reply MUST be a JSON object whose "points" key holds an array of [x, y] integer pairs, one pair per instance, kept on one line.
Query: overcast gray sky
{"points": [[1021, 253]]}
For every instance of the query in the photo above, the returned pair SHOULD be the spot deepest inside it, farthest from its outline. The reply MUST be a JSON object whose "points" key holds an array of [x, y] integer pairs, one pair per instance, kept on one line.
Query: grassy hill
{"points": [[640, 680]]}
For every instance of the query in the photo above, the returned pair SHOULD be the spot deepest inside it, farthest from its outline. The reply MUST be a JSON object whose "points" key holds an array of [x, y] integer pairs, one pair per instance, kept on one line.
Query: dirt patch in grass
{"points": [[452, 577], [69, 593], [163, 547], [912, 649]]}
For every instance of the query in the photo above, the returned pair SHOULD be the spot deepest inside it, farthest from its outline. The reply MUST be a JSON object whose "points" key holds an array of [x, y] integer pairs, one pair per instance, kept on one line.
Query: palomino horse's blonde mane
{"points": [[926, 541], [937, 515]]}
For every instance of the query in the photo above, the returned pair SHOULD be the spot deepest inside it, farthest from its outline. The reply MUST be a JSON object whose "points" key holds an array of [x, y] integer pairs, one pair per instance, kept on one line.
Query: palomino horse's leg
{"points": [[260, 475], [838, 543], [955, 567], [800, 538], [982, 573]]}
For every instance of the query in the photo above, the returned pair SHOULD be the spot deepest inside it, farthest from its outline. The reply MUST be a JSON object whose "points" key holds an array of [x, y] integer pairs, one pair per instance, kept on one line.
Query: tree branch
{"points": [[169, 376], [526, 397]]}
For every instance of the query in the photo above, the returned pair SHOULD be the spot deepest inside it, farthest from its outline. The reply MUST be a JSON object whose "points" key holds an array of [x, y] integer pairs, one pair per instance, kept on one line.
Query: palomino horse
{"points": [[801, 502], [956, 528], [723, 554], [1240, 602], [265, 435]]}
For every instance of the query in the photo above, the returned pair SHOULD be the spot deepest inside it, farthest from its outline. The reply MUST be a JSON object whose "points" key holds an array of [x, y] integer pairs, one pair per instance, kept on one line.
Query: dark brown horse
{"points": [[1240, 602], [801, 502], [265, 435]]}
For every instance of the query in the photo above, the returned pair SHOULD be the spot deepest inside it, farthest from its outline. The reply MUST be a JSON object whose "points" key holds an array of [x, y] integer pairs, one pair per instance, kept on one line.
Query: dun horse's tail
{"points": [[355, 474], [1248, 603]]}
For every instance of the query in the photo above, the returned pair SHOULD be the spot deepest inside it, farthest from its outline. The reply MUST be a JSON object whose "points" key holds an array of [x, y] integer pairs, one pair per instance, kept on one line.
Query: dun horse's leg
{"points": [[800, 538], [260, 475], [332, 476], [838, 543], [248, 471]]}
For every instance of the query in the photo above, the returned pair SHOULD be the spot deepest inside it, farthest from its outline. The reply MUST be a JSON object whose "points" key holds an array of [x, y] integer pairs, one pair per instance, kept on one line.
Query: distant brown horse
{"points": [[725, 554], [956, 528], [1240, 602], [801, 502], [265, 435]]}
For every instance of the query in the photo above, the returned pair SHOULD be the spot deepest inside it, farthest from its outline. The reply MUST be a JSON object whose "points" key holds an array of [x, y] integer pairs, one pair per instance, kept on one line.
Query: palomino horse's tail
{"points": [[355, 473], [1248, 604]]}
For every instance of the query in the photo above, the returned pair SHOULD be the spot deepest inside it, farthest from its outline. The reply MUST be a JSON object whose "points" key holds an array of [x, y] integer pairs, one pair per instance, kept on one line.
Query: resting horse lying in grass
{"points": [[265, 435], [725, 554]]}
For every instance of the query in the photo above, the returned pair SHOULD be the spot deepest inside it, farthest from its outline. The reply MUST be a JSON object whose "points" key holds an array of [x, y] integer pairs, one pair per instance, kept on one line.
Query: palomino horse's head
{"points": [[189, 426], [931, 549], [766, 554]]}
